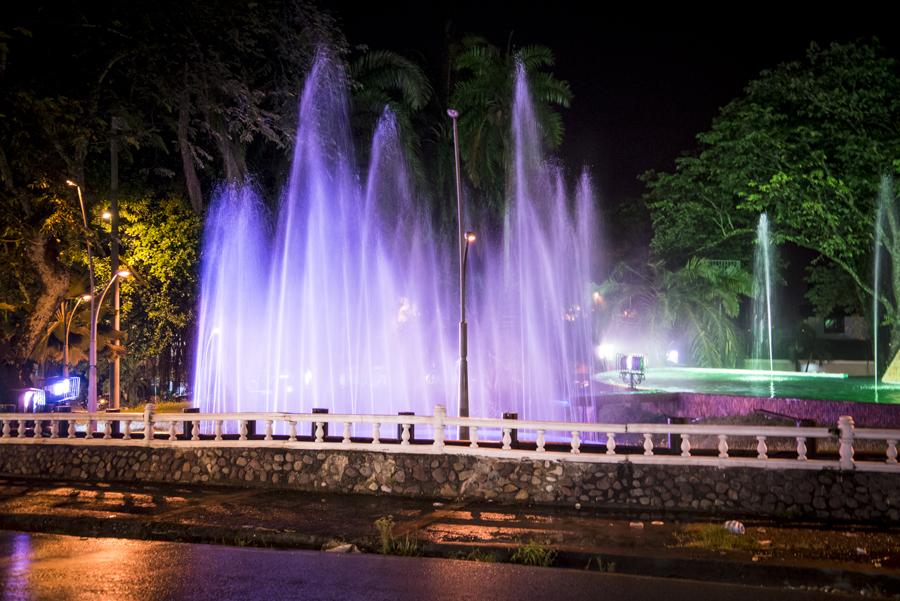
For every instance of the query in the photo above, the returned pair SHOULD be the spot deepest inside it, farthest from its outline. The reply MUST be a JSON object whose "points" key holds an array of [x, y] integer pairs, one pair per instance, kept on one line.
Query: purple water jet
{"points": [[349, 300]]}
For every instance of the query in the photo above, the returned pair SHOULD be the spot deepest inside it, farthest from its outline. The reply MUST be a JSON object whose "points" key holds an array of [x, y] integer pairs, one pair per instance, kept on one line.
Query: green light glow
{"points": [[753, 372]]}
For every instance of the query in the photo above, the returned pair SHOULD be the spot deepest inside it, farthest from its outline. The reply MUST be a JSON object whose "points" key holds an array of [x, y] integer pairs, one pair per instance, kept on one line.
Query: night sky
{"points": [[643, 85]]}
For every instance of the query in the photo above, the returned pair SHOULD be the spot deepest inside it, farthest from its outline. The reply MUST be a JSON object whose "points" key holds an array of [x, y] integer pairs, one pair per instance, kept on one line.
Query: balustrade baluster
{"points": [[268, 429], [21, 428], [172, 434], [723, 446], [54, 429], [127, 434], [761, 448], [346, 439], [891, 451], [507, 439], [7, 428], [540, 441], [473, 443], [576, 442], [610, 443], [320, 432], [107, 430], [71, 425], [801, 448], [195, 430], [218, 429], [648, 444], [404, 436], [685, 445], [242, 430], [292, 431], [376, 433]]}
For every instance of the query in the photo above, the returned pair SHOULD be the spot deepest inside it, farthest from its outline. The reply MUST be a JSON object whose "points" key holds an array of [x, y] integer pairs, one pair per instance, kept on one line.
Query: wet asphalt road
{"points": [[44, 566]]}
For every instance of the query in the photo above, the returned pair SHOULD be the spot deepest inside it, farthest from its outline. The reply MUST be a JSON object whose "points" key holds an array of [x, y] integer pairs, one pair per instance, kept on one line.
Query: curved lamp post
{"points": [[69, 319], [92, 372], [92, 389], [464, 240]]}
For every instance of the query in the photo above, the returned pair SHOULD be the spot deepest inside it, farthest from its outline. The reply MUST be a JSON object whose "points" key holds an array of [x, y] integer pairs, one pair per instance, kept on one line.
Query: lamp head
{"points": [[123, 273], [107, 215], [71, 183], [86, 297], [470, 237], [453, 113]]}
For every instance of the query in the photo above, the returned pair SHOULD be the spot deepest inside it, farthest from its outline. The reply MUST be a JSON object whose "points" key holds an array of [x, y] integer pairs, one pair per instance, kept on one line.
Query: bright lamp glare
{"points": [[85, 297], [107, 215], [605, 351], [71, 183], [123, 273], [672, 356], [60, 388]]}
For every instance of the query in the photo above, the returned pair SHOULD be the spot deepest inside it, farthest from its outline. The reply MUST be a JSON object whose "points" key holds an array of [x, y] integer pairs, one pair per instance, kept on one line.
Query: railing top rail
{"points": [[728, 430], [876, 434], [498, 423]]}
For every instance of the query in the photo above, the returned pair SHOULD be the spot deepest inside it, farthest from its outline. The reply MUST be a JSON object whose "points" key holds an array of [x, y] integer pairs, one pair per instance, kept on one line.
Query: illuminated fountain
{"points": [[762, 295], [348, 302]]}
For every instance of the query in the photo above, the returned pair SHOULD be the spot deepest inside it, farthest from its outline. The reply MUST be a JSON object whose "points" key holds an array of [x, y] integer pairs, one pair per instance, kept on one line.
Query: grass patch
{"points": [[478, 555], [392, 545], [534, 553], [716, 538]]}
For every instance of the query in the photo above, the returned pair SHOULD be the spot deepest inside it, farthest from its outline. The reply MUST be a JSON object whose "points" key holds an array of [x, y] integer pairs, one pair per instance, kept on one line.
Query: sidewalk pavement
{"points": [[858, 559]]}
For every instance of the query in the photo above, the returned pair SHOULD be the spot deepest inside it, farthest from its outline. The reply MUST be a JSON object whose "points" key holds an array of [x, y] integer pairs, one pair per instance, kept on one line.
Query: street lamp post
{"points": [[92, 358], [69, 319], [463, 241], [92, 389]]}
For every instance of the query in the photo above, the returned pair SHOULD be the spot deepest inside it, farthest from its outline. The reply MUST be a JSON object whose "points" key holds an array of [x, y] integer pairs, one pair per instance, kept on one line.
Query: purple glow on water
{"points": [[350, 301]]}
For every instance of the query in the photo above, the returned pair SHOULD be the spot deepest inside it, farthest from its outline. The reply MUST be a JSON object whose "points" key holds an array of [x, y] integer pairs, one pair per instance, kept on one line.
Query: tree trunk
{"points": [[55, 283], [187, 155]]}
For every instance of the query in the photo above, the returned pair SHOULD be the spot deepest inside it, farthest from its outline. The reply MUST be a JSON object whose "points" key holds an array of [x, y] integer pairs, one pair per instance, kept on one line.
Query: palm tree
{"points": [[382, 79], [483, 94], [698, 303]]}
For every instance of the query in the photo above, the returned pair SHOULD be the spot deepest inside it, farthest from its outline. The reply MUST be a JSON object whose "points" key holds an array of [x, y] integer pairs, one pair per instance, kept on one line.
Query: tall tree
{"points": [[807, 143], [483, 94]]}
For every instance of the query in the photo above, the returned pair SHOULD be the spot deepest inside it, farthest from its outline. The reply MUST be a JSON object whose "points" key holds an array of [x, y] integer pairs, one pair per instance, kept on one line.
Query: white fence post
{"points": [[148, 422], [440, 412], [845, 428]]}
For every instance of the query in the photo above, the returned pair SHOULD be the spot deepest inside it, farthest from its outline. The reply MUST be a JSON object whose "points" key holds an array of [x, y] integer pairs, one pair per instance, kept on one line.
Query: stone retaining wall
{"points": [[650, 489]]}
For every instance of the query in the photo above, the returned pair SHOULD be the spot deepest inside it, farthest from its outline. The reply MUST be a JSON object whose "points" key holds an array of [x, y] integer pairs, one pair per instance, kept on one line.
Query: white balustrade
{"points": [[15, 429]]}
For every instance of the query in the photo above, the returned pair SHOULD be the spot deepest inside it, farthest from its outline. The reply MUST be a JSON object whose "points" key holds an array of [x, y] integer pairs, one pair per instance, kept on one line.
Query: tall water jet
{"points": [[762, 295], [531, 320], [347, 302]]}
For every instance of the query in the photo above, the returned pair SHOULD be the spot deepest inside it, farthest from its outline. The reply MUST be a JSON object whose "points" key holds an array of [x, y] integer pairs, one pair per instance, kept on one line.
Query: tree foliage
{"points": [[697, 304], [807, 143]]}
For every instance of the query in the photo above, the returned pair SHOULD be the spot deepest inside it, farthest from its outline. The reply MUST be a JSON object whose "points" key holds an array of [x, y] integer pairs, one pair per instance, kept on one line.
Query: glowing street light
{"points": [[92, 372], [106, 215], [92, 364], [464, 239], [68, 323]]}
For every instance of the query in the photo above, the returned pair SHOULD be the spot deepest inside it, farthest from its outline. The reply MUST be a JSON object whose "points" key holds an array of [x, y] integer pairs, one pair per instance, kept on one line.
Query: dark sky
{"points": [[644, 84]]}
